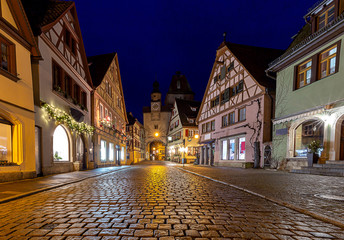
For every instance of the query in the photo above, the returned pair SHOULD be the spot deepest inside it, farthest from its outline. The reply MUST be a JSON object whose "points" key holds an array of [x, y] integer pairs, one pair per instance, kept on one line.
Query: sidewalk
{"points": [[312, 194], [14, 190]]}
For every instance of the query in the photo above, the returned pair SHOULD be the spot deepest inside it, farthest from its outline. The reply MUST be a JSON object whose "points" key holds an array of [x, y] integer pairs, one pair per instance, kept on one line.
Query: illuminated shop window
{"points": [[102, 150], [111, 151], [5, 142], [233, 148], [305, 133], [60, 144], [122, 154]]}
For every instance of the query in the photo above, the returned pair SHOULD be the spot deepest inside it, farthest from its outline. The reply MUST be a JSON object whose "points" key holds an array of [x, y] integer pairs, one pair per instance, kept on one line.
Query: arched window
{"points": [[60, 144], [305, 133], [5, 142]]}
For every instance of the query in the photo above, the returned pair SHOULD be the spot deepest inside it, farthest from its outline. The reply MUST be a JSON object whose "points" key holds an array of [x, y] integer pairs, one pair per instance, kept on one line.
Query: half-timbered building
{"points": [[236, 110], [183, 137], [135, 143], [17, 119], [109, 115], [62, 87]]}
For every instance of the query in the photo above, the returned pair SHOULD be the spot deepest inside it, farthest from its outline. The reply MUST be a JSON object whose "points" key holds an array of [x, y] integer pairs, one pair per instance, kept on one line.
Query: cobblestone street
{"points": [[154, 201]]}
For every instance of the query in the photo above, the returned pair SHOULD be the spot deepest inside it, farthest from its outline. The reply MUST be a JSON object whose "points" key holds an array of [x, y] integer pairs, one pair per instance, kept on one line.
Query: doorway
{"points": [[80, 152], [38, 154]]}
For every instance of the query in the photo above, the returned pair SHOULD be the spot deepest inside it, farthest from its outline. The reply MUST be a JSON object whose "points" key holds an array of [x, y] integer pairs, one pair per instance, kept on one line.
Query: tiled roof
{"points": [[185, 112], [256, 60], [44, 12], [98, 66]]}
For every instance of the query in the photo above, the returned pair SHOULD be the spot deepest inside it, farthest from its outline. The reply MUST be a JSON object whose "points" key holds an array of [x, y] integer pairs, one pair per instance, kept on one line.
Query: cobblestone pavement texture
{"points": [[154, 202], [302, 190]]}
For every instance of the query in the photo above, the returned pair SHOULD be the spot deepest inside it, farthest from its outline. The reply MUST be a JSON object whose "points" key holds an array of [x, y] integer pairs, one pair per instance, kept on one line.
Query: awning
{"points": [[207, 142]]}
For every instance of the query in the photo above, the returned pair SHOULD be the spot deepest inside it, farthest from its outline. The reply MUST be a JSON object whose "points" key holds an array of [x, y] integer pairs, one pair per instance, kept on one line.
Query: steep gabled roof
{"points": [[256, 60], [99, 66], [184, 86], [185, 112], [44, 12]]}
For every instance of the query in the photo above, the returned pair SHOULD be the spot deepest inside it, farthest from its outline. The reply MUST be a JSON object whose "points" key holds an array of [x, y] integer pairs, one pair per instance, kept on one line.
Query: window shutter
{"points": [[187, 132]]}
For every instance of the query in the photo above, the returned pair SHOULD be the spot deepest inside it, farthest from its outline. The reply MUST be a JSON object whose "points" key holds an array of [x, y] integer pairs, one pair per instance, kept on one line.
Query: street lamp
{"points": [[156, 134]]}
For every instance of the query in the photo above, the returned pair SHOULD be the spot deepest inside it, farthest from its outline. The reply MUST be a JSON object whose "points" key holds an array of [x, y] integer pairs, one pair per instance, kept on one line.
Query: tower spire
{"points": [[224, 36]]}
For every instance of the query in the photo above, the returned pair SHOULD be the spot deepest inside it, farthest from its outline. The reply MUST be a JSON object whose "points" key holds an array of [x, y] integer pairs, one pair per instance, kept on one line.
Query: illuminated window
{"points": [[242, 148], [326, 18], [102, 150], [5, 142], [327, 62], [233, 148], [7, 53], [224, 149], [305, 133], [101, 113], [122, 154], [304, 74], [111, 152], [60, 144]]}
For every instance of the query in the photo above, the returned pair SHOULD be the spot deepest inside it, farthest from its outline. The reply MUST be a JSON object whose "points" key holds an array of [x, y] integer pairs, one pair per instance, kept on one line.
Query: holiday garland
{"points": [[62, 117]]}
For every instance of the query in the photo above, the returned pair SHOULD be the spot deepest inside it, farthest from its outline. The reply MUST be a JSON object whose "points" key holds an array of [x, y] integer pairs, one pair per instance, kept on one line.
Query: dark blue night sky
{"points": [[156, 38]]}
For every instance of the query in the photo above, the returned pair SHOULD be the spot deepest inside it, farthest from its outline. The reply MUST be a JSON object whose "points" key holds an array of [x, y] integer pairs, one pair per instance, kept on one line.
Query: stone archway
{"points": [[156, 151]]}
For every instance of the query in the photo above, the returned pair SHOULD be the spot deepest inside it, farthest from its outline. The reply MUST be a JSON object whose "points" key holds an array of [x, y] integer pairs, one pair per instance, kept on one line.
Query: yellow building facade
{"points": [[17, 120]]}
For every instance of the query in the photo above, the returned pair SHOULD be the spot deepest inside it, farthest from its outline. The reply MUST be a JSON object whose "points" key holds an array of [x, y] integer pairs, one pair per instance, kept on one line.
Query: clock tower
{"points": [[156, 98]]}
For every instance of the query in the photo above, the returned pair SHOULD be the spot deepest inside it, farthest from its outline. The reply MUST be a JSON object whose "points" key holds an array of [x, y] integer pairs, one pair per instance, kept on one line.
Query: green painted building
{"points": [[310, 90]]}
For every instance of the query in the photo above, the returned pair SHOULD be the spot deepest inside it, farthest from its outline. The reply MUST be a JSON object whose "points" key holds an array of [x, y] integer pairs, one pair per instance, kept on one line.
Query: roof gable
{"points": [[187, 110], [99, 65]]}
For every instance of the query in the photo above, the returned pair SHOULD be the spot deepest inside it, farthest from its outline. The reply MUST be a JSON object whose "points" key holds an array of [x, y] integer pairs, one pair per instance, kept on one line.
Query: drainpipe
{"points": [[268, 73]]}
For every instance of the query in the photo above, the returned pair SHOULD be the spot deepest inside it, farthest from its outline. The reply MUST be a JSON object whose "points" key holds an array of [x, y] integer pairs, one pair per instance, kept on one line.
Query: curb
{"points": [[318, 216], [8, 199]]}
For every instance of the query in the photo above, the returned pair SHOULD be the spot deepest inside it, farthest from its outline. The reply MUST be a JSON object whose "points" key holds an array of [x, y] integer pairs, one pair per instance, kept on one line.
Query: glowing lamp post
{"points": [[156, 134]]}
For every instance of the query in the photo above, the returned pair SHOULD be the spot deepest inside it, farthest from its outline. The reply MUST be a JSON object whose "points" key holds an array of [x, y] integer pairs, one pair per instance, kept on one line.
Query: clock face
{"points": [[155, 106]]}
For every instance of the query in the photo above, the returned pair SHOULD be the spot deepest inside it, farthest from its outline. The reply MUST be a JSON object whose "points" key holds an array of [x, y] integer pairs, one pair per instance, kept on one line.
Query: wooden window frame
{"points": [[11, 71], [298, 73], [71, 43], [222, 96], [239, 115], [328, 59], [325, 12], [223, 124], [229, 118], [58, 84], [315, 72], [212, 105]]}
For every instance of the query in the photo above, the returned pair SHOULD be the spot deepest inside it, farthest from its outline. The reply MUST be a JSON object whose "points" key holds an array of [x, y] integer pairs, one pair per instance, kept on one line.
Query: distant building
{"points": [[135, 143], [183, 134], [235, 115], [109, 115], [62, 87], [17, 113], [156, 117], [309, 95]]}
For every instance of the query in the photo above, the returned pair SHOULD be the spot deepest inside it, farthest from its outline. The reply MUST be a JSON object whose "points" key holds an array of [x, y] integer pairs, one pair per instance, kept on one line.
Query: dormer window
{"points": [[326, 17]]}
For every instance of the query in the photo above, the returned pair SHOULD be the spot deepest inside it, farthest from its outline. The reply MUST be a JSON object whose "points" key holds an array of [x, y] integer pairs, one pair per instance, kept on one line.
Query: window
{"points": [[224, 120], [233, 148], [225, 96], [155, 127], [242, 148], [110, 115], [102, 150], [312, 130], [327, 62], [69, 85], [232, 118], [74, 48], [60, 144], [213, 125], [7, 52], [236, 89], [215, 79], [101, 112], [57, 78], [83, 99], [76, 93], [67, 38], [215, 101], [304, 74], [204, 129], [5, 141], [326, 17], [106, 113], [70, 42], [111, 152], [231, 67], [242, 114], [208, 127]]}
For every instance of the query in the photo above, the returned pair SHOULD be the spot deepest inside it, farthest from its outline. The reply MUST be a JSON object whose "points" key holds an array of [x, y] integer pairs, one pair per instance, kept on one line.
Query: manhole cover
{"points": [[331, 197]]}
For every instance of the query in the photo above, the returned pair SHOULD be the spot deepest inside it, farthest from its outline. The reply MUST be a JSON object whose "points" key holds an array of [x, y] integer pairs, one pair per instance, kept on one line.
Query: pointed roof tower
{"points": [[179, 88]]}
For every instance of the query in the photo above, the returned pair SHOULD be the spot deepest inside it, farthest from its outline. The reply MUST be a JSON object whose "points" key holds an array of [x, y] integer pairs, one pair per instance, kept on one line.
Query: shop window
{"points": [[224, 149], [122, 154], [233, 148], [102, 150], [5, 142], [305, 133], [60, 144], [111, 152], [242, 148]]}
